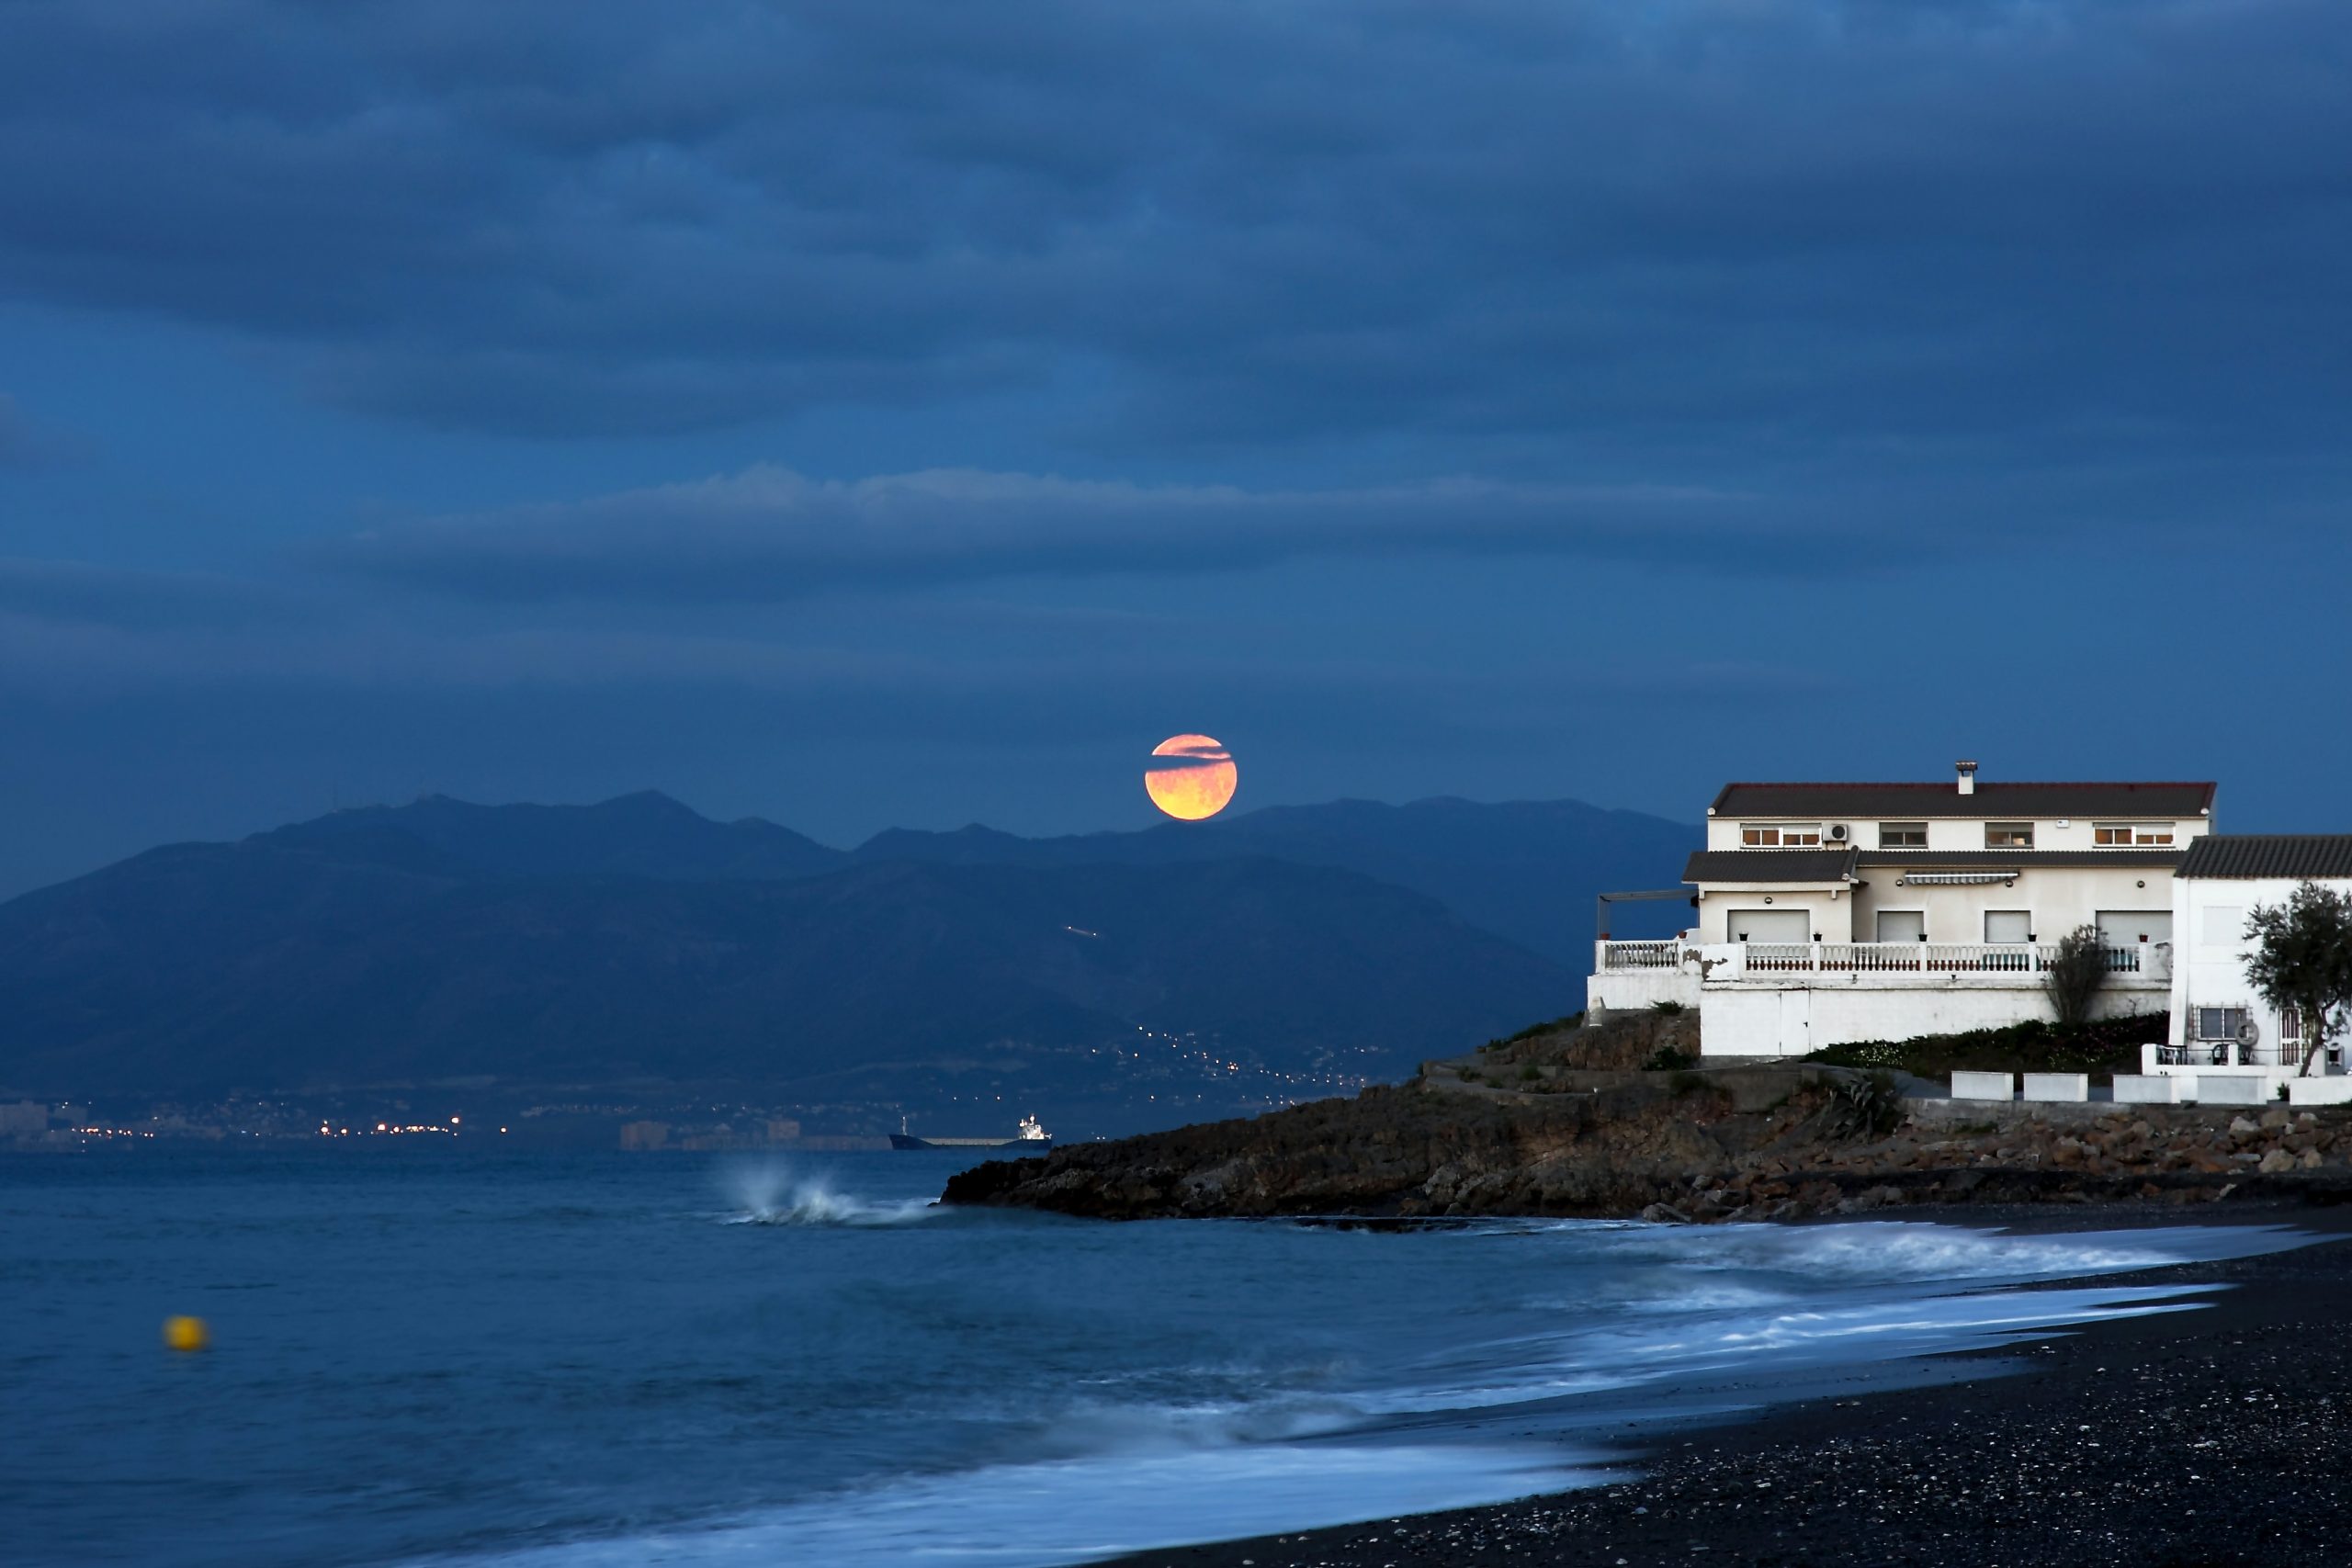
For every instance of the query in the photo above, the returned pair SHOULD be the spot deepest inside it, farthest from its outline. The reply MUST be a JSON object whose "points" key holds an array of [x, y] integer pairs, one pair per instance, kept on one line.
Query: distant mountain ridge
{"points": [[1525, 870], [636, 939], [645, 834]]}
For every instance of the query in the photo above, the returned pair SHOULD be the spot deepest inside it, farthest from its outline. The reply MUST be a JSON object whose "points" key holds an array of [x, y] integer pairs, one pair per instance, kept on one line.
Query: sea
{"points": [[454, 1356]]}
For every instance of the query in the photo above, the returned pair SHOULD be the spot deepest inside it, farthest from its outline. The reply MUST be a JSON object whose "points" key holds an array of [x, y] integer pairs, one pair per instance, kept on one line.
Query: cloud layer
{"points": [[770, 534], [1831, 225]]}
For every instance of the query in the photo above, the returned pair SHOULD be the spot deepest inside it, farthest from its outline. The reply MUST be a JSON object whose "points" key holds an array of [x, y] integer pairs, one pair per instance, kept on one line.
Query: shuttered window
{"points": [[2008, 925]]}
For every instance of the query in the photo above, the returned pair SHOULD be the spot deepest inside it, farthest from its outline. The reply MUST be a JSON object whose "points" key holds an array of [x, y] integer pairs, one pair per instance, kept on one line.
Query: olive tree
{"points": [[2303, 960]]}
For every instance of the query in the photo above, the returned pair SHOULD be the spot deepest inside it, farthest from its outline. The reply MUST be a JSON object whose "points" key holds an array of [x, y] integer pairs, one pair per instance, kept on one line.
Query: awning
{"points": [[1953, 878]]}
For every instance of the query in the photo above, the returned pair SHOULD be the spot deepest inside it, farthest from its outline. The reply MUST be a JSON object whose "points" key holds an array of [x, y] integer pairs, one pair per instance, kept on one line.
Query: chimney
{"points": [[1967, 776]]}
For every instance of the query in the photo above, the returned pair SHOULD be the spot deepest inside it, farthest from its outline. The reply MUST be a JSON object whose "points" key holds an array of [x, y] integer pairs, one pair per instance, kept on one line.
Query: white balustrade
{"points": [[1926, 959], [1641, 955]]}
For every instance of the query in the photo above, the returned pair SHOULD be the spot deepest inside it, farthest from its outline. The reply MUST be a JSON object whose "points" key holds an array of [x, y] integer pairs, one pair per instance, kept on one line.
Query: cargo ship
{"points": [[1031, 1137]]}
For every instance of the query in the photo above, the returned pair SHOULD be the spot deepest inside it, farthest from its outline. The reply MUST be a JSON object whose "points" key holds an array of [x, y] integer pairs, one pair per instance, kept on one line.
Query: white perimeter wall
{"points": [[1794, 1021], [1633, 989]]}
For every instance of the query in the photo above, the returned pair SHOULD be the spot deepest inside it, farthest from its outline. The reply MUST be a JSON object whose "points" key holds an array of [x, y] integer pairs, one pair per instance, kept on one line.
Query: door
{"points": [[1769, 925], [1903, 925], [1796, 1023]]}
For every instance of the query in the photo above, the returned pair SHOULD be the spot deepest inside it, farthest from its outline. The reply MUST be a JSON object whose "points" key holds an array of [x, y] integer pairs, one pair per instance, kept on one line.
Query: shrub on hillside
{"points": [[2104, 1046]]}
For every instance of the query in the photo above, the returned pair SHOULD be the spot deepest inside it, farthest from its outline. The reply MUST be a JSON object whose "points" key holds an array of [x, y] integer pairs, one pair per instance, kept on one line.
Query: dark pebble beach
{"points": [[2220, 1435]]}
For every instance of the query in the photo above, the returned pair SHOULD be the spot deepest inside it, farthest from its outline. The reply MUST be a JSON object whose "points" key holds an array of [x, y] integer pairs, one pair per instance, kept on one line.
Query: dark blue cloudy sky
{"points": [[873, 411]]}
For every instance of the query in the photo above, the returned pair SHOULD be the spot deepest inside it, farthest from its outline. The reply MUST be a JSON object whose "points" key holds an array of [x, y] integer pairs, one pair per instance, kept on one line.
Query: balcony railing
{"points": [[1735, 960], [1642, 955], [1923, 957]]}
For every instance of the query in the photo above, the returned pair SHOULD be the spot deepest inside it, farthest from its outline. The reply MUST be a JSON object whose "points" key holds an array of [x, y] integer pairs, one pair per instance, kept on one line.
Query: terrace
{"points": [[1876, 963]]}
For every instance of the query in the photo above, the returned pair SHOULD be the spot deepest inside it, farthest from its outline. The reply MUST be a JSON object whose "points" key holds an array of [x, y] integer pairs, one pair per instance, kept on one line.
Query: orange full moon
{"points": [[1190, 777]]}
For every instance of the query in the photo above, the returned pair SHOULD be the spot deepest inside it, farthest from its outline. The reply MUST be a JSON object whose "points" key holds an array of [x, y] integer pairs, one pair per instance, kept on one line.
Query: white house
{"points": [[2219, 1023], [1828, 913]]}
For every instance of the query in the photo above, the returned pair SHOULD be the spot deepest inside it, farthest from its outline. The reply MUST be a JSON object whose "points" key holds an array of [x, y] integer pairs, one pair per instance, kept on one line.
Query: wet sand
{"points": [[2215, 1435]]}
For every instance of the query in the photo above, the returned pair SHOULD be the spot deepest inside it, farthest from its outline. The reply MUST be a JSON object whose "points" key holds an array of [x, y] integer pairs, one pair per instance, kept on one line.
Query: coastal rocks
{"points": [[1420, 1152], [1675, 1146]]}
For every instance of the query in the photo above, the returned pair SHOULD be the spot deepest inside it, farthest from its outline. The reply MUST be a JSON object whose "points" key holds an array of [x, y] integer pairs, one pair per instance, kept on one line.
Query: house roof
{"points": [[1993, 798], [1979, 859], [1769, 865], [2251, 855]]}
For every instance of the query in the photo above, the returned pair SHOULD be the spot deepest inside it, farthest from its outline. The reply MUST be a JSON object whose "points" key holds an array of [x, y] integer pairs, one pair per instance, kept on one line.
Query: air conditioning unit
{"points": [[1837, 832]]}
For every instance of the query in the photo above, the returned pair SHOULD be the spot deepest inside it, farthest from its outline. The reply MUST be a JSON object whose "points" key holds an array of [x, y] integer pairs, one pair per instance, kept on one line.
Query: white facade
{"points": [[2132, 904], [1828, 914], [2219, 1020]]}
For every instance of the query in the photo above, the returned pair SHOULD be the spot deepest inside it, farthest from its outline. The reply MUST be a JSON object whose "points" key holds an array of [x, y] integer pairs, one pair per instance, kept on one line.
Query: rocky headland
{"points": [[1614, 1119]]}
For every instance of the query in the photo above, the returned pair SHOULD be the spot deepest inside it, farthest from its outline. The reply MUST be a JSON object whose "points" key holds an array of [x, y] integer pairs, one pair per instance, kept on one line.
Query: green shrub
{"points": [[1671, 1010], [1871, 1105], [2104, 1046], [1666, 1059]]}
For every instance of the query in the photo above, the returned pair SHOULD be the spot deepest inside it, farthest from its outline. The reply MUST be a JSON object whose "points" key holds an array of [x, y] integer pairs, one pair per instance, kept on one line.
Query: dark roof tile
{"points": [[1769, 865], [2246, 856], [1993, 798]]}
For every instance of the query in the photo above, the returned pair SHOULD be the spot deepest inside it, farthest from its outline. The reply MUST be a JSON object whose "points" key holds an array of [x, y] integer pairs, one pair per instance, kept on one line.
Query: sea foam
{"points": [[770, 1193], [1665, 1322]]}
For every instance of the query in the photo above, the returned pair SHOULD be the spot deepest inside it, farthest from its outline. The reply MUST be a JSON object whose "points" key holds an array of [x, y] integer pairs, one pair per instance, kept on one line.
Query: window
{"points": [[1781, 835], [1902, 835], [2008, 925], [2009, 835], [2219, 1023], [2121, 835], [2111, 835], [2129, 927], [1902, 925], [2223, 926], [1767, 925]]}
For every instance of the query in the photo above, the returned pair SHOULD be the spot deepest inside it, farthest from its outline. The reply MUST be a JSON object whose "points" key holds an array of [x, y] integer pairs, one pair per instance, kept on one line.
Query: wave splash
{"points": [[772, 1194]]}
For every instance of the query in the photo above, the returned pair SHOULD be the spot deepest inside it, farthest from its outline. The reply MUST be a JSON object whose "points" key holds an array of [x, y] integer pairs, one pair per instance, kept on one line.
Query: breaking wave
{"points": [[772, 1194]]}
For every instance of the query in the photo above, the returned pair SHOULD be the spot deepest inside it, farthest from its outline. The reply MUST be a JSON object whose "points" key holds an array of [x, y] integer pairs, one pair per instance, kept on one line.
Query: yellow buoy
{"points": [[187, 1334]]}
